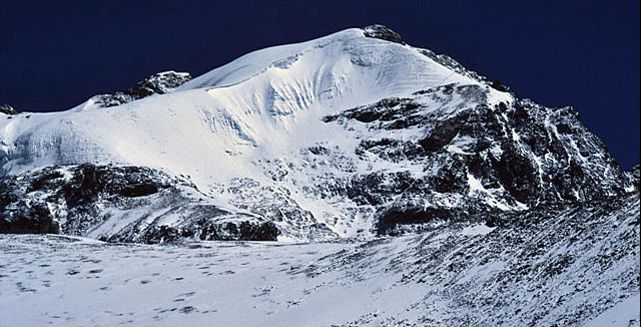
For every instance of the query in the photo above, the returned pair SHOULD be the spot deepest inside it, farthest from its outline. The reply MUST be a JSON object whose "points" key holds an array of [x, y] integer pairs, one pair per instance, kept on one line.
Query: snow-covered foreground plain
{"points": [[579, 269]]}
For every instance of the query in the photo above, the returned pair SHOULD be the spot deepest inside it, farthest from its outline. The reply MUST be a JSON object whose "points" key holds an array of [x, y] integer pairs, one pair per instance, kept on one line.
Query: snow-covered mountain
{"points": [[262, 104], [427, 193], [349, 135]]}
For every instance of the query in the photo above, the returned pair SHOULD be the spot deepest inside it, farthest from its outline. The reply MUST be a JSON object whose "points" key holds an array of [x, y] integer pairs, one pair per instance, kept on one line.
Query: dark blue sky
{"points": [[56, 54]]}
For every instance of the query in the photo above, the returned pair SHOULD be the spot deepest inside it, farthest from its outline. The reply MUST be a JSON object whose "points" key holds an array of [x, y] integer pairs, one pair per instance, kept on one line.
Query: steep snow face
{"points": [[331, 66], [266, 100]]}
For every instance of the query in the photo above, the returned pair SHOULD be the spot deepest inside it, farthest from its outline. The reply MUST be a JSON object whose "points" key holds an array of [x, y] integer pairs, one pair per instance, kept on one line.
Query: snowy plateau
{"points": [[351, 180]]}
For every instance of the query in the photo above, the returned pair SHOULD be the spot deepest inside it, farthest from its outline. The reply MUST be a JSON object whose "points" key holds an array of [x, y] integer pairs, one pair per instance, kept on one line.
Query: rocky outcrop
{"points": [[120, 204], [7, 110], [160, 83], [382, 32], [632, 179], [479, 160]]}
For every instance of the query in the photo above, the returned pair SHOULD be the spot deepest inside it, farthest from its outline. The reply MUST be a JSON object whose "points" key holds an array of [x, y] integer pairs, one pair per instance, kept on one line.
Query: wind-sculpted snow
{"points": [[570, 266], [267, 101]]}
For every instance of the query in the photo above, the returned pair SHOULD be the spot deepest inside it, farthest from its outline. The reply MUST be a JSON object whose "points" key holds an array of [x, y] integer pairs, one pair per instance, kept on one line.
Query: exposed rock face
{"points": [[124, 204], [7, 110], [476, 161], [632, 179], [382, 32], [159, 83]]}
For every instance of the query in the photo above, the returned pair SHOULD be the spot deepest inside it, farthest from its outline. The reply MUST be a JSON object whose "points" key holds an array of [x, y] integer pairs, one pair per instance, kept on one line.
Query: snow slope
{"points": [[260, 105], [580, 268], [240, 122]]}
